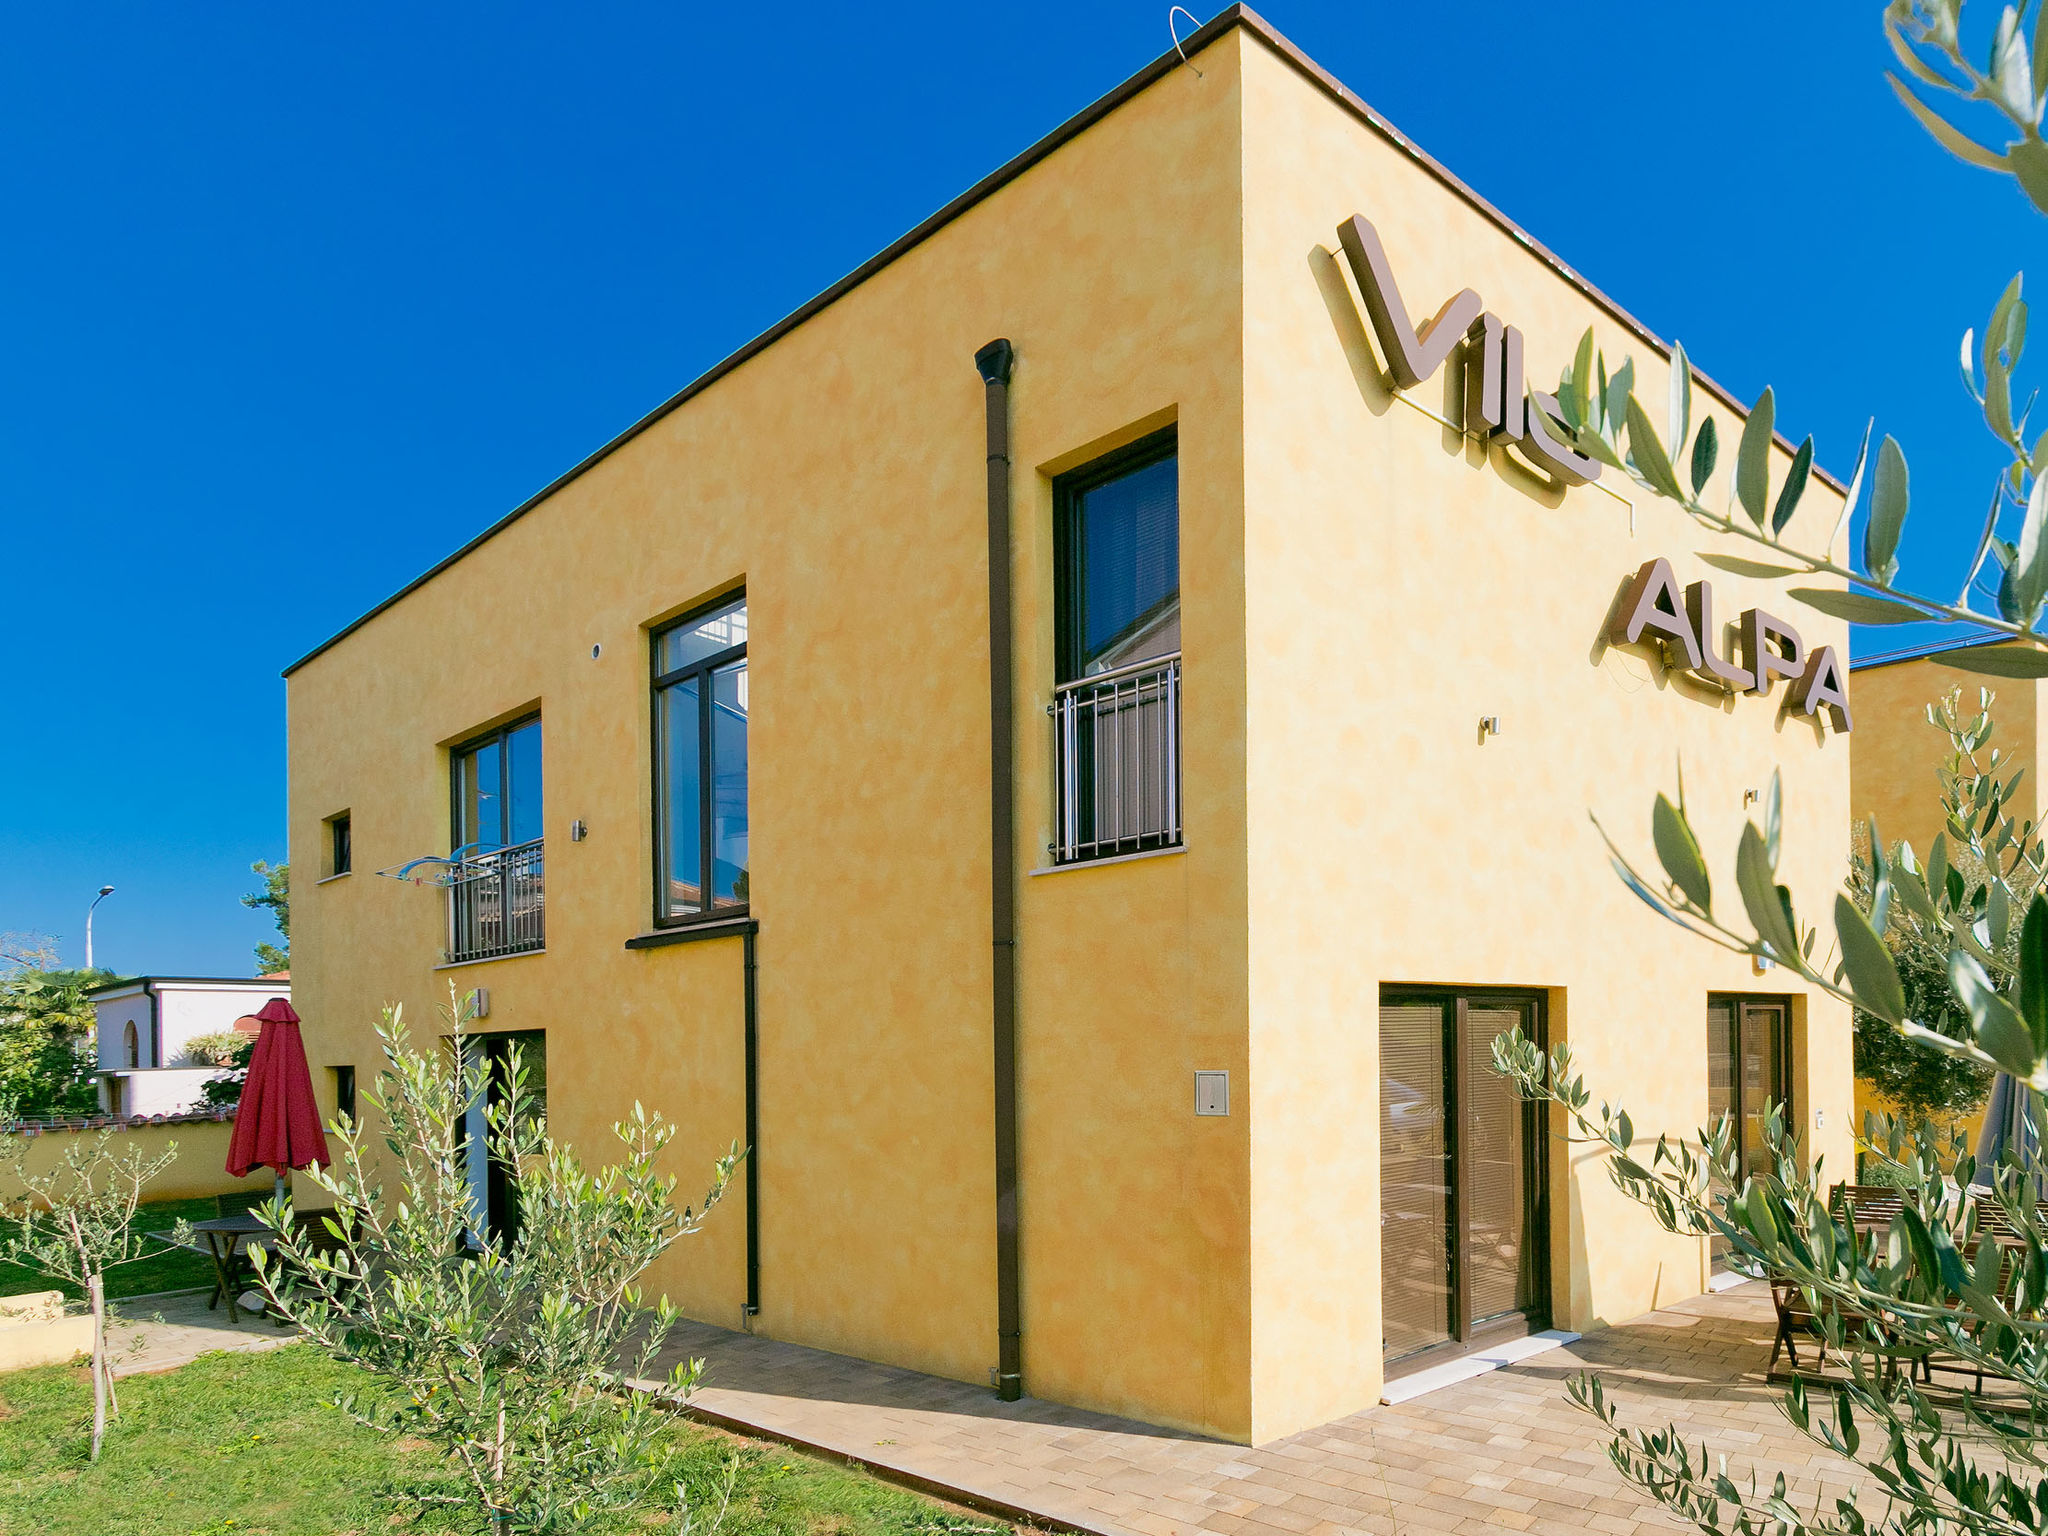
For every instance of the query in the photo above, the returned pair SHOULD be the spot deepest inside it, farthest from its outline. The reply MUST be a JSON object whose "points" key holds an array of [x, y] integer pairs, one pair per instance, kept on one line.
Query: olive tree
{"points": [[74, 1221], [523, 1352]]}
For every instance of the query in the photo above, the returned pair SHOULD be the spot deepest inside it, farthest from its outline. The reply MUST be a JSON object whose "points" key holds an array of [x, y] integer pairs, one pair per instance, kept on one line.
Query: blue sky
{"points": [[297, 300]]}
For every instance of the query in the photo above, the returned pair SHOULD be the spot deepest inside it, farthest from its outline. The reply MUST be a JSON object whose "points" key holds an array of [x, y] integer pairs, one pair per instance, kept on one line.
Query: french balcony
{"points": [[497, 903], [1116, 755]]}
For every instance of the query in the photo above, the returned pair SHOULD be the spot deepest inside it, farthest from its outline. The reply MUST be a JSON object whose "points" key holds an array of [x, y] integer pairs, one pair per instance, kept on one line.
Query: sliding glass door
{"points": [[1463, 1253], [1749, 1068]]}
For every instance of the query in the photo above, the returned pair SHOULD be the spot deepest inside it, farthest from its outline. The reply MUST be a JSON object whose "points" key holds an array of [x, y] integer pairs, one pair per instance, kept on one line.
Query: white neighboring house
{"points": [[145, 1022]]}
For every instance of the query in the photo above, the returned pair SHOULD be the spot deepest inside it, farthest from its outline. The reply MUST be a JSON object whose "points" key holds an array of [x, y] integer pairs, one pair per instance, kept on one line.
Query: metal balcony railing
{"points": [[1116, 757], [497, 903]]}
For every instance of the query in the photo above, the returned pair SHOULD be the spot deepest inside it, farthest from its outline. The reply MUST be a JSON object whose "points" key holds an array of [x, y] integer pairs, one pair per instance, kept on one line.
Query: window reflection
{"points": [[700, 687]]}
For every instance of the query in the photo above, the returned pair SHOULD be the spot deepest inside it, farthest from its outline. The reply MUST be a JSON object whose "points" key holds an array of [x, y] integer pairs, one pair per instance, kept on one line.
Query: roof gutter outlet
{"points": [[995, 362]]}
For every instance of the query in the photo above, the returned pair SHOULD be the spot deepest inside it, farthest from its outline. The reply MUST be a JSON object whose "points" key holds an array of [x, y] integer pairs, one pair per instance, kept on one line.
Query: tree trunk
{"points": [[96, 1289], [501, 1517]]}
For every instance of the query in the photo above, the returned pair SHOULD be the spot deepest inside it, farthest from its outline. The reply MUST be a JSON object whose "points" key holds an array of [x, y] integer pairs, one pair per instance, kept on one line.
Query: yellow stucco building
{"points": [[1099, 944], [1895, 772]]}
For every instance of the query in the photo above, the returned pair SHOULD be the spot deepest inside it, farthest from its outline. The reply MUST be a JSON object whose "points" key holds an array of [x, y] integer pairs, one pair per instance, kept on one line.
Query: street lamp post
{"points": [[105, 892]]}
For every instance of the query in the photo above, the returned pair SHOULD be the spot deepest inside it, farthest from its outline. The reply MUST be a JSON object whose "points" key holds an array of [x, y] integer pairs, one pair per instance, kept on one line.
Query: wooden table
{"points": [[228, 1239]]}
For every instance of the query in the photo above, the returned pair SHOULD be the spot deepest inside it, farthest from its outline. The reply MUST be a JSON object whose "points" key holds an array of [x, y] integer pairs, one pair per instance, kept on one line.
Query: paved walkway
{"points": [[159, 1333], [1505, 1451]]}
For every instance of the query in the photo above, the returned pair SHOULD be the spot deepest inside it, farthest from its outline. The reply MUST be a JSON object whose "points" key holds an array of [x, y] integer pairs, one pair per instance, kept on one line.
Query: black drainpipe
{"points": [[753, 1134], [994, 363]]}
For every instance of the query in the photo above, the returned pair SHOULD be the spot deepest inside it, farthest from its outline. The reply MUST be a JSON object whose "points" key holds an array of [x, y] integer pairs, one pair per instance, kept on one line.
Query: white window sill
{"points": [[1404, 1389], [330, 879], [523, 954], [1120, 858]]}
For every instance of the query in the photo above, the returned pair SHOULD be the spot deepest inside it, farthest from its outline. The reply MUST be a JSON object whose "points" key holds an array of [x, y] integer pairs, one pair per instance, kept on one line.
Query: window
{"points": [[498, 902], [1116, 706], [1464, 1260], [131, 1045], [700, 765], [1749, 1068], [340, 856], [345, 1091], [497, 785], [494, 1189], [1117, 545]]}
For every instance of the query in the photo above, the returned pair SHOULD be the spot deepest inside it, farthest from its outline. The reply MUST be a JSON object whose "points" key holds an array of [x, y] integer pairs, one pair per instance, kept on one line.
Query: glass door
{"points": [[1462, 1237], [1749, 1068]]}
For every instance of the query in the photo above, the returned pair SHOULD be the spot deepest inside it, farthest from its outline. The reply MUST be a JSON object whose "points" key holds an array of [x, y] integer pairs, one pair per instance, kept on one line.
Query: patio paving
{"points": [[1505, 1451], [160, 1333]]}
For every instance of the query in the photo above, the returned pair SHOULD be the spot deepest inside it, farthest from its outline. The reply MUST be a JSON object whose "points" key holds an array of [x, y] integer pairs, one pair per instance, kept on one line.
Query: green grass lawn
{"points": [[165, 1269], [245, 1445]]}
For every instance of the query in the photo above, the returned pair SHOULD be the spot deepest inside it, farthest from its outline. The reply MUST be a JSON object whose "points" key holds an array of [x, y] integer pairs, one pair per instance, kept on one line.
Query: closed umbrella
{"points": [[2011, 1124], [277, 1123]]}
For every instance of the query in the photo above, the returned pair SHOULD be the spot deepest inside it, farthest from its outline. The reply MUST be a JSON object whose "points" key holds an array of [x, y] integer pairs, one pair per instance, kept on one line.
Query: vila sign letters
{"points": [[1684, 629], [1498, 399]]}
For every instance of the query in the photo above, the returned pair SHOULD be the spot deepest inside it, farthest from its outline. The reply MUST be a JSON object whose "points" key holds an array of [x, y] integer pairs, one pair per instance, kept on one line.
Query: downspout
{"points": [[156, 1022], [753, 1079], [994, 362]]}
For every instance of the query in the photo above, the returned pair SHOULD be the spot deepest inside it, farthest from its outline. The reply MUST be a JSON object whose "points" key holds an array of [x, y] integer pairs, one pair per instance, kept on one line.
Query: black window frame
{"points": [[501, 734], [658, 683], [344, 1091], [1069, 549], [340, 845]]}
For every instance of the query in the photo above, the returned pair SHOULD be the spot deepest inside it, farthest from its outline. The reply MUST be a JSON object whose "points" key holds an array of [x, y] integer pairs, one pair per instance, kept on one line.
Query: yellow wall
{"points": [[200, 1168], [1400, 585], [841, 474], [1358, 589], [1896, 765], [1898, 757]]}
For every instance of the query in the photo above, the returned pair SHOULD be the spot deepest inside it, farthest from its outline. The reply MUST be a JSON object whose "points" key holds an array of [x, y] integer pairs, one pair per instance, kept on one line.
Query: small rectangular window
{"points": [[700, 765], [345, 1091], [340, 856]]}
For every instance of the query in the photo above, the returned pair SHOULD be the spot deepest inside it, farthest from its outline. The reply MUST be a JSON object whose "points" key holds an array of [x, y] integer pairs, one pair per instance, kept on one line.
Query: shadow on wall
{"points": [[1379, 395]]}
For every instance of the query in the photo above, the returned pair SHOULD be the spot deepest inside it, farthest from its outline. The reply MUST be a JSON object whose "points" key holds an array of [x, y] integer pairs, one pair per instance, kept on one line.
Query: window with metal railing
{"points": [[497, 903], [1116, 705], [1116, 751], [497, 888]]}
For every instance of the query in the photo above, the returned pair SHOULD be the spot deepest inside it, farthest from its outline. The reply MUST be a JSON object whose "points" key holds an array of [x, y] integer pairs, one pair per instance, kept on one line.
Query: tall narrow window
{"points": [[1463, 1255], [345, 1091], [700, 765], [1749, 1068], [1116, 703], [497, 904], [340, 850], [493, 1186]]}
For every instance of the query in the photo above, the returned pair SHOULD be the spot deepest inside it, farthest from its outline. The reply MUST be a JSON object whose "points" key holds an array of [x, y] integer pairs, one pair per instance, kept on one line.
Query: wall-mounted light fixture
{"points": [[480, 1003], [596, 651], [578, 831], [1489, 725], [1750, 797]]}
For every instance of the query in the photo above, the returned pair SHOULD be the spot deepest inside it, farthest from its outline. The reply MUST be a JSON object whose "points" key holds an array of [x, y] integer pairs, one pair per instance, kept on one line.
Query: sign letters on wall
{"points": [[1684, 629], [1499, 403], [1498, 399]]}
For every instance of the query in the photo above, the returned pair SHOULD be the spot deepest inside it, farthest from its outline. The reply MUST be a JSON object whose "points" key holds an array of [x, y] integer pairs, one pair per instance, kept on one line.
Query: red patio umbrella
{"points": [[277, 1122]]}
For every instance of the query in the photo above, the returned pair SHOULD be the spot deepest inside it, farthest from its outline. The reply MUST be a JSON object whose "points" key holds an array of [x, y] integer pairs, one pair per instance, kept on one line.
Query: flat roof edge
{"points": [[126, 983], [1222, 23], [1933, 648]]}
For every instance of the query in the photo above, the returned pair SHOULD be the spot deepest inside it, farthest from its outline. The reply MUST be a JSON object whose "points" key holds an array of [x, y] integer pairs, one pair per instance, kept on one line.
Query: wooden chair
{"points": [[1865, 1207], [1794, 1317]]}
